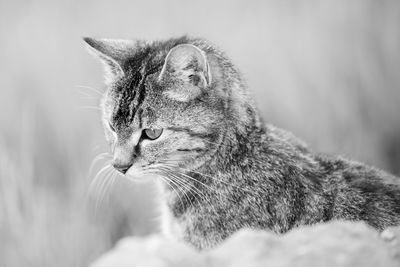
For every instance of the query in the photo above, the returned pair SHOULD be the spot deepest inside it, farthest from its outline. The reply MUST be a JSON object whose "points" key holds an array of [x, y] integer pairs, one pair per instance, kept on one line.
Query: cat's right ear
{"points": [[113, 53]]}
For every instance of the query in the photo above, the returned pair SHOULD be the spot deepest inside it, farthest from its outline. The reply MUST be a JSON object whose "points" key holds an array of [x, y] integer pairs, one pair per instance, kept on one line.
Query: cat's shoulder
{"points": [[281, 136]]}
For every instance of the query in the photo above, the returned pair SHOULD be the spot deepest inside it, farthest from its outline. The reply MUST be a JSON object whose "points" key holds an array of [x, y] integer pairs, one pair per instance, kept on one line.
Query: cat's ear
{"points": [[187, 69], [113, 53]]}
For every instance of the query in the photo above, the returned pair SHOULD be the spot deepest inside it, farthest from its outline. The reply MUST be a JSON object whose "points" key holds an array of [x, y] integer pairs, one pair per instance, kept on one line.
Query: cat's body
{"points": [[228, 169], [276, 185]]}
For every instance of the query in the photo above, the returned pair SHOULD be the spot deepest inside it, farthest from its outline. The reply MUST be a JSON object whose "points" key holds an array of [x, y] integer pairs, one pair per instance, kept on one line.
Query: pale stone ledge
{"points": [[331, 244]]}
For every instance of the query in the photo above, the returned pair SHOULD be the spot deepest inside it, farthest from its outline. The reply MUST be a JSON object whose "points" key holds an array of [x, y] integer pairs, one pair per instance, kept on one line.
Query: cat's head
{"points": [[166, 105]]}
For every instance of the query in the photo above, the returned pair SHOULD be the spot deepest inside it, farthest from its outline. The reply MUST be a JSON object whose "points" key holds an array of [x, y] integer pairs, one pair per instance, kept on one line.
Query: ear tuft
{"points": [[113, 53]]}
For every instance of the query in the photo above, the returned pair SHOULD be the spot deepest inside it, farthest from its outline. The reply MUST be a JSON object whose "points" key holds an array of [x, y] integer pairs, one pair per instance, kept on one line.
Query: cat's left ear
{"points": [[113, 53], [187, 69]]}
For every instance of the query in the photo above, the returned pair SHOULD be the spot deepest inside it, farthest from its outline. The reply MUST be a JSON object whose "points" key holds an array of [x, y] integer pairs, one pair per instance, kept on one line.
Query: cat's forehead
{"points": [[129, 96], [138, 93]]}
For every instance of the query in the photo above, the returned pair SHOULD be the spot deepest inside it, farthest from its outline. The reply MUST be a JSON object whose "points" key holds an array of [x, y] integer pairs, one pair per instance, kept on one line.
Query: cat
{"points": [[178, 110]]}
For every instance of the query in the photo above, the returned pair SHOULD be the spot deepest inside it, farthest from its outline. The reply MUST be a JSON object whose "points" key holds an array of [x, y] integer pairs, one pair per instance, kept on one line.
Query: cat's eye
{"points": [[152, 134]]}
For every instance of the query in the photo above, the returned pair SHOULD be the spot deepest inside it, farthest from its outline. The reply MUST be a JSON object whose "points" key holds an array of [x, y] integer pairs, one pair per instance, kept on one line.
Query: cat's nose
{"points": [[122, 168]]}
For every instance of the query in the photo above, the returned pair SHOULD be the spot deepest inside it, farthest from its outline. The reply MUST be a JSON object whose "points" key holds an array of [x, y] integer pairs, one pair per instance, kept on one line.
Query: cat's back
{"points": [[349, 190], [354, 172], [360, 192]]}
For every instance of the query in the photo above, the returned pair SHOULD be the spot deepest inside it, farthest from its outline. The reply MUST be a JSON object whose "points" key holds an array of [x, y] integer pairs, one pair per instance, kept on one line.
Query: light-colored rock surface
{"points": [[331, 244]]}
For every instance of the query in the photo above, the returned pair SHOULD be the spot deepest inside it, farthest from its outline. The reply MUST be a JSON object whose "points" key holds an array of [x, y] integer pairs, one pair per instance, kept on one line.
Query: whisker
{"points": [[179, 183], [101, 191], [193, 188], [203, 196], [97, 159], [205, 175], [107, 186], [88, 97], [89, 107], [84, 93], [165, 172], [213, 178], [90, 88], [170, 183], [95, 147], [96, 178], [208, 176], [207, 186]]}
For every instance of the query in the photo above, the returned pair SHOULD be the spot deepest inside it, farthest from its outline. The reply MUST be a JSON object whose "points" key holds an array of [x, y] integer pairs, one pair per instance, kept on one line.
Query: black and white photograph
{"points": [[172, 133]]}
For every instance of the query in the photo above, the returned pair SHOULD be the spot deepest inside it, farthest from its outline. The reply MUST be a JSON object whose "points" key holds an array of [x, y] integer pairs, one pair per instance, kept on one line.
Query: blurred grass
{"points": [[326, 70], [46, 216]]}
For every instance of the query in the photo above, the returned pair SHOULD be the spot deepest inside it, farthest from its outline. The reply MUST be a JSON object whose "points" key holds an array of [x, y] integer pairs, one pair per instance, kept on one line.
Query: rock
{"points": [[330, 244], [388, 235], [152, 251], [392, 237]]}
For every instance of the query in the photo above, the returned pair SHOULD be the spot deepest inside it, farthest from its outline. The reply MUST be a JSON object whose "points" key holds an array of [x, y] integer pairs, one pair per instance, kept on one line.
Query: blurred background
{"points": [[329, 71]]}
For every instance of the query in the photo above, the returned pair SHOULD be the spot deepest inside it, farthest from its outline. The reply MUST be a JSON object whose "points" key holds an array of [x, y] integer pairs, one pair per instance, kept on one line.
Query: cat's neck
{"points": [[235, 149]]}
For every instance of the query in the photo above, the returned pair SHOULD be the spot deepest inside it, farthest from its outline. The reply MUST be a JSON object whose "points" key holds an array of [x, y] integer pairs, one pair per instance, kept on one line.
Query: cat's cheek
{"points": [[154, 150], [151, 152]]}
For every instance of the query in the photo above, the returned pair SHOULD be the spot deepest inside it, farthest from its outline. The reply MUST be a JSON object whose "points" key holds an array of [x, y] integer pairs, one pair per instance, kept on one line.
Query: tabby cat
{"points": [[179, 111]]}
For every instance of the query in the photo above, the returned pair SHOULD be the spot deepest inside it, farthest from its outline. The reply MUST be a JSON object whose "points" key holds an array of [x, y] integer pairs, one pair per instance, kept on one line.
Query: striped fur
{"points": [[227, 169]]}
